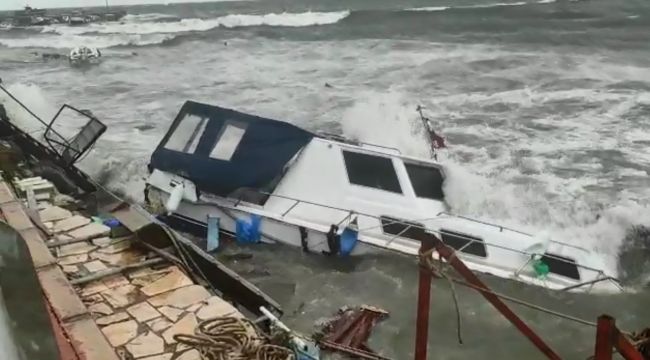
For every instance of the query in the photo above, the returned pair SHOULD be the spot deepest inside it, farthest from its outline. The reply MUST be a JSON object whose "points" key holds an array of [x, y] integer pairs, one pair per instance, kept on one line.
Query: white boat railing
{"points": [[501, 228], [410, 224], [345, 141]]}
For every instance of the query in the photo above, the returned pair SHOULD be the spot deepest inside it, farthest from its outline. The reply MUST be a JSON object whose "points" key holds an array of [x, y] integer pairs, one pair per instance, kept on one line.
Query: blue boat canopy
{"points": [[222, 150]]}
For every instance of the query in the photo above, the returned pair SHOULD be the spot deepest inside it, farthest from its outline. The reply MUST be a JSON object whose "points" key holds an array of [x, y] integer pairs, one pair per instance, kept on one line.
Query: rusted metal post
{"points": [[424, 297], [624, 346], [608, 336], [449, 255], [604, 338]]}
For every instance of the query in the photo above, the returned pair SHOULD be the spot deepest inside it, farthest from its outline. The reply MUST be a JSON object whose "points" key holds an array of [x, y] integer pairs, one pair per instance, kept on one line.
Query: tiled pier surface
{"points": [[133, 314]]}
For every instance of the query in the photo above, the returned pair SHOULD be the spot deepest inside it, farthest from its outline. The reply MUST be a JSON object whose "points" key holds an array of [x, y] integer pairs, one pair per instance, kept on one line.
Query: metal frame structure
{"points": [[64, 160], [38, 150], [608, 336], [430, 242], [72, 150]]}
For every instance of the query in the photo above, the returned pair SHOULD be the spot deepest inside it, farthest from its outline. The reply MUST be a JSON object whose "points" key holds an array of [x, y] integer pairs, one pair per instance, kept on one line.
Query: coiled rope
{"points": [[232, 338]]}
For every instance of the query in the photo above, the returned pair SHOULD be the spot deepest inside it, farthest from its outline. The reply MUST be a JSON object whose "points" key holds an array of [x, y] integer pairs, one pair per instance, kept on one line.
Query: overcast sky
{"points": [[19, 4]]}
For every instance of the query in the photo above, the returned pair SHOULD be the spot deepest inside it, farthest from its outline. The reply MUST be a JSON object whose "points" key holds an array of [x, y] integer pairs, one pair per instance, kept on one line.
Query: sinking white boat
{"points": [[83, 55], [327, 194]]}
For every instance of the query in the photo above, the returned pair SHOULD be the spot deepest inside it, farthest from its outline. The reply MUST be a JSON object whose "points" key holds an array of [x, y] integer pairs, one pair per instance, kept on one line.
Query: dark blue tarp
{"points": [[265, 148]]}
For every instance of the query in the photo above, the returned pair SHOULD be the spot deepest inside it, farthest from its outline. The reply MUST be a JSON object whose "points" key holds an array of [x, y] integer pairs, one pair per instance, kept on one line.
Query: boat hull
{"points": [[273, 231], [313, 238]]}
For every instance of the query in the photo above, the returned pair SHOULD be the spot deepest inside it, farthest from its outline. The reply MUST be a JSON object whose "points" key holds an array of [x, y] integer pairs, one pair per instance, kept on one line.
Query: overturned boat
{"points": [[270, 181], [82, 55]]}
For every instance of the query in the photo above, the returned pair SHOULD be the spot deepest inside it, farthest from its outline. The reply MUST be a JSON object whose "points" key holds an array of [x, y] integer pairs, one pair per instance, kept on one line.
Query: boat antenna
{"points": [[107, 4], [435, 141]]}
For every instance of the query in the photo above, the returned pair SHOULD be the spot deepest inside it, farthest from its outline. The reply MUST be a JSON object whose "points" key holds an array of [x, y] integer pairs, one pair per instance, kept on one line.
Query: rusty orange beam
{"points": [[604, 338], [608, 336], [448, 254], [424, 298]]}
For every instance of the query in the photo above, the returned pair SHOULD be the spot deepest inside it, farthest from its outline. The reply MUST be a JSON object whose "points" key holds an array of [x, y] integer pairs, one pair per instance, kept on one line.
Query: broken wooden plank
{"points": [[103, 274]]}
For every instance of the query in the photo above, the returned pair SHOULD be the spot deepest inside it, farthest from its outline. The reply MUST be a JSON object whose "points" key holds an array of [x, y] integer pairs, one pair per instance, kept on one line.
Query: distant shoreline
{"points": [[70, 16]]}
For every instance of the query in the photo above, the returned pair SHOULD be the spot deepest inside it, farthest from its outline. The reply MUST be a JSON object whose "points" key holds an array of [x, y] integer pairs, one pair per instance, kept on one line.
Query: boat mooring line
{"points": [[438, 271], [21, 104]]}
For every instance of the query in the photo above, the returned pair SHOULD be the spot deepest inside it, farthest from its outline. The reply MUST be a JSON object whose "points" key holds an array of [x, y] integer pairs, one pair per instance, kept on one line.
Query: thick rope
{"points": [[232, 338]]}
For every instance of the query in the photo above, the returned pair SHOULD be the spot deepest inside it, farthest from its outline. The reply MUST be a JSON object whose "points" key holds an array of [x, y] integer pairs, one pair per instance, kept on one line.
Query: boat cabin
{"points": [[222, 161]]}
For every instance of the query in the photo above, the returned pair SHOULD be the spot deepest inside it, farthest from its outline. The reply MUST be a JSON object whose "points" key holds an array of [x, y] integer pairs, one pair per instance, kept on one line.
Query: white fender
{"points": [[175, 198]]}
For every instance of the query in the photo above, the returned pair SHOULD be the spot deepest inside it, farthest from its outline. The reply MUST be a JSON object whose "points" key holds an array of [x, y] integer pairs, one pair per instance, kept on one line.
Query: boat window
{"points": [[186, 136], [561, 265], [372, 171], [426, 180], [465, 243], [228, 140], [399, 227]]}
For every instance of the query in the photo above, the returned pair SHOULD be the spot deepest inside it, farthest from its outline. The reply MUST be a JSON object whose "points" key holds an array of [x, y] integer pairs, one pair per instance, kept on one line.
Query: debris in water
{"points": [[349, 330]]}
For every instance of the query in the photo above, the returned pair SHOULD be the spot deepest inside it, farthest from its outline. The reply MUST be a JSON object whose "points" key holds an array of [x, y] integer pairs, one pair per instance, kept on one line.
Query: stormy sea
{"points": [[544, 105]]}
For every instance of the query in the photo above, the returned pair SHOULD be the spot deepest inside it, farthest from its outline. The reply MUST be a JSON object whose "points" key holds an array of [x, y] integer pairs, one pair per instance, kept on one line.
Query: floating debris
{"points": [[349, 330]]}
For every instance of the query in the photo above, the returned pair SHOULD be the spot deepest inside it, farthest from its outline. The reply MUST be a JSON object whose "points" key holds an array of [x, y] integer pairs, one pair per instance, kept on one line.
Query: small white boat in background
{"points": [[82, 55], [270, 181]]}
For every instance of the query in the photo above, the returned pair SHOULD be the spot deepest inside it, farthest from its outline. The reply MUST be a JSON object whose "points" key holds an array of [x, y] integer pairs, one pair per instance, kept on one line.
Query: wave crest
{"points": [[480, 6], [71, 41], [148, 17], [138, 25]]}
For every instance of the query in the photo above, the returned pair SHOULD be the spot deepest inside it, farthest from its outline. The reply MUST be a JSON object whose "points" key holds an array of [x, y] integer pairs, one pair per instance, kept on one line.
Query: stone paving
{"points": [[137, 311]]}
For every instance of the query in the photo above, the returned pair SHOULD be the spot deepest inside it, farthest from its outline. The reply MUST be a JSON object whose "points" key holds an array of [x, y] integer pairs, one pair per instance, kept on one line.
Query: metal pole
{"points": [[427, 130], [22, 105], [604, 338], [449, 255], [608, 336], [424, 297]]}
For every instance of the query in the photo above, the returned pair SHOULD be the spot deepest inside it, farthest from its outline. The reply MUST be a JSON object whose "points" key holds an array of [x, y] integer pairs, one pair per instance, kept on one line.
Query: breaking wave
{"points": [[543, 203], [122, 169], [146, 24], [148, 17], [393, 114], [154, 29], [479, 6], [35, 99], [71, 41]]}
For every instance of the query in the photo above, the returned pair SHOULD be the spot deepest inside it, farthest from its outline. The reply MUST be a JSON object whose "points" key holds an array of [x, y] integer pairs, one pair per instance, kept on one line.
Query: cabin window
{"points": [[561, 265], [187, 134], [228, 140], [465, 243], [401, 228], [426, 180], [372, 171]]}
